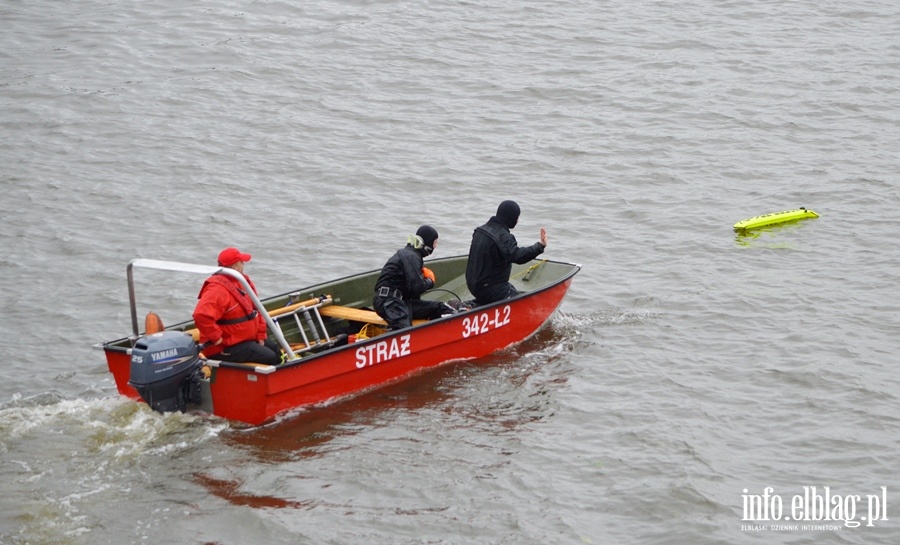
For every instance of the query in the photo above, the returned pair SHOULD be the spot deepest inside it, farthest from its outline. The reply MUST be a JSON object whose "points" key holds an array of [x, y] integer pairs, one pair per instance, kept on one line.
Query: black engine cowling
{"points": [[164, 368]]}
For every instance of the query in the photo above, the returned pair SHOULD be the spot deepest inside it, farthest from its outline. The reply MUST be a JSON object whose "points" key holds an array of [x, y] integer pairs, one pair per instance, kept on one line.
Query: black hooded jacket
{"points": [[494, 249], [403, 271]]}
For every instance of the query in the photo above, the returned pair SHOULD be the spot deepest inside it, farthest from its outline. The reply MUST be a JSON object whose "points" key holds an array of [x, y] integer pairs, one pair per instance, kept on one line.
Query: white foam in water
{"points": [[93, 452], [123, 426]]}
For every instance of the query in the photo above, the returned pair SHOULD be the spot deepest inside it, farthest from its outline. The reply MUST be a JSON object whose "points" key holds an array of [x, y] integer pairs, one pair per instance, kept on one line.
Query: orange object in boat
{"points": [[153, 323]]}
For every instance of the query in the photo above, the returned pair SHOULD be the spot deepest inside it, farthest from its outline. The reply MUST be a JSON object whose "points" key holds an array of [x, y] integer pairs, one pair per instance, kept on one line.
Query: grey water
{"points": [[691, 372]]}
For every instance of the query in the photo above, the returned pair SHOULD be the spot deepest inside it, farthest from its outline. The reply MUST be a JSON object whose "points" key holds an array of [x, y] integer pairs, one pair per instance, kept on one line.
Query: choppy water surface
{"points": [[688, 370]]}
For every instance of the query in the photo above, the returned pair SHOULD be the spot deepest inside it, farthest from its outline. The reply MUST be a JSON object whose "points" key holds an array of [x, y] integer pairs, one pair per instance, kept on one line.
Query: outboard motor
{"points": [[165, 370]]}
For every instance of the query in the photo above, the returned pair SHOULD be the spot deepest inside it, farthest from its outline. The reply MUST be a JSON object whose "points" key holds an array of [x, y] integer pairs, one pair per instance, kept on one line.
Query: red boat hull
{"points": [[256, 395]]}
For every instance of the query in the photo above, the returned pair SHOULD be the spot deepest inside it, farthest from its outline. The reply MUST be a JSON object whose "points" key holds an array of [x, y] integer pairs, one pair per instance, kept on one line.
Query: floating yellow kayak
{"points": [[773, 218]]}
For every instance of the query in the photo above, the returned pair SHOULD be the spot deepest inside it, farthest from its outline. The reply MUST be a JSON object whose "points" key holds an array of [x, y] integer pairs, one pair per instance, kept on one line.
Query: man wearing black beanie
{"points": [[404, 279], [493, 251]]}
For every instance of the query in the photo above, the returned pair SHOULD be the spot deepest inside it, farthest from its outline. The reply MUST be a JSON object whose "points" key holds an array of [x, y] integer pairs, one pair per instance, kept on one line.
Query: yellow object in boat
{"points": [[774, 218]]}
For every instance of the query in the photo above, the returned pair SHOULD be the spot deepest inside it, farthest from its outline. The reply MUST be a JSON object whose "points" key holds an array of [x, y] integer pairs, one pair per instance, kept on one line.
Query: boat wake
{"points": [[642, 311], [116, 428], [93, 452]]}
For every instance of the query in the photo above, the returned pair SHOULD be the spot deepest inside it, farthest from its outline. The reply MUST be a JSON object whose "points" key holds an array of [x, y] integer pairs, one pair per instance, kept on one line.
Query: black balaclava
{"points": [[428, 234], [508, 213]]}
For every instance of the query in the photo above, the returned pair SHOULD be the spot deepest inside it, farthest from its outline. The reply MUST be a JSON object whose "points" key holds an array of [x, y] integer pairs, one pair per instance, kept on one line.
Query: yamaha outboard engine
{"points": [[165, 367]]}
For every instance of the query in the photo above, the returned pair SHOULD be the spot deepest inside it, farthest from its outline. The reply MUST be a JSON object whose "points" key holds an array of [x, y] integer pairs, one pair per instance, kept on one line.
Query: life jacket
{"points": [[239, 295], [246, 323]]}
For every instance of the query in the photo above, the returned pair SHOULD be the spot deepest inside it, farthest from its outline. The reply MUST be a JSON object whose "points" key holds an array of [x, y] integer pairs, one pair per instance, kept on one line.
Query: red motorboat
{"points": [[335, 347]]}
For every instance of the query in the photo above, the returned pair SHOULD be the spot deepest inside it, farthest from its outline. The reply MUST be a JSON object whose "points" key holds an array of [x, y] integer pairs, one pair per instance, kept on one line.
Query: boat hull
{"points": [[255, 394]]}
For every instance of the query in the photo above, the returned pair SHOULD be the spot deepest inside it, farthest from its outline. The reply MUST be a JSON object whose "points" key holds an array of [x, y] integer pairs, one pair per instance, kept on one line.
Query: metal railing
{"points": [[176, 266]]}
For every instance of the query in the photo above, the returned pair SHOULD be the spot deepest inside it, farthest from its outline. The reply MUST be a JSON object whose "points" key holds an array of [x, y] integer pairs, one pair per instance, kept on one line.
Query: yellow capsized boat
{"points": [[774, 218]]}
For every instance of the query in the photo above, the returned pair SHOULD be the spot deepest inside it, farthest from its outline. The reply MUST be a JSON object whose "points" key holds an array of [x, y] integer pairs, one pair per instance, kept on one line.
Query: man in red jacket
{"points": [[228, 320]]}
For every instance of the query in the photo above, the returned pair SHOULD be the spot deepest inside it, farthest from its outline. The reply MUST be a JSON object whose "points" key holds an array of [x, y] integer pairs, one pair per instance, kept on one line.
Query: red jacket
{"points": [[226, 312]]}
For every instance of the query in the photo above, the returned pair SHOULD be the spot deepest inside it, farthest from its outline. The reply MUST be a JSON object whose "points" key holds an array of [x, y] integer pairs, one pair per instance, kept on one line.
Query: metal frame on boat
{"points": [[310, 324]]}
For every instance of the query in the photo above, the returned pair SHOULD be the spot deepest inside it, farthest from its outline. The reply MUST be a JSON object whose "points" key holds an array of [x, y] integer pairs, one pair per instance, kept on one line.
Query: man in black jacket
{"points": [[493, 251], [404, 278]]}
